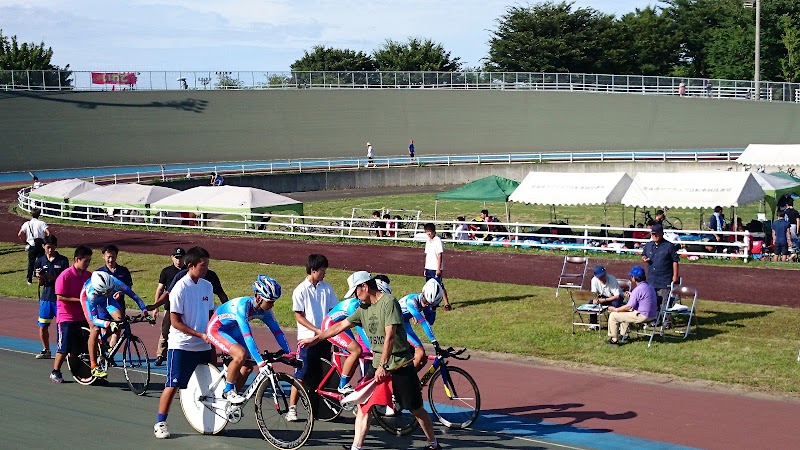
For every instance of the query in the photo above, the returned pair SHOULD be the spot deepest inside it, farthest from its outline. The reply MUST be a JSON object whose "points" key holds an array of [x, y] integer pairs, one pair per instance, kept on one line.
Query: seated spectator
{"points": [[462, 230], [379, 225], [716, 223], [641, 307], [607, 292], [391, 227]]}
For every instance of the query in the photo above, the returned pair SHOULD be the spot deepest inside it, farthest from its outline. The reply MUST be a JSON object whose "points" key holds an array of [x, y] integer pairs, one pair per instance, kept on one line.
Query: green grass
{"points": [[747, 345]]}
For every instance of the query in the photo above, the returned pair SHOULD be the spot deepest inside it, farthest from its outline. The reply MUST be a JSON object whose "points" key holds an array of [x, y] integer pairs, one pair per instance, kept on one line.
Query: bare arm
{"points": [[159, 291], [300, 316], [330, 332], [176, 321]]}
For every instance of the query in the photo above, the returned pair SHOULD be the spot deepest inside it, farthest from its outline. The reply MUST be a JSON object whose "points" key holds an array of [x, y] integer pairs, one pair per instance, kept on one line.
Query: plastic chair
{"points": [[573, 273], [581, 306]]}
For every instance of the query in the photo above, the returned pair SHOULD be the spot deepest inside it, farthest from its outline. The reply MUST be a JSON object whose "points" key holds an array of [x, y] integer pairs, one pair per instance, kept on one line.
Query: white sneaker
{"points": [[234, 397], [347, 389], [291, 415], [160, 430]]}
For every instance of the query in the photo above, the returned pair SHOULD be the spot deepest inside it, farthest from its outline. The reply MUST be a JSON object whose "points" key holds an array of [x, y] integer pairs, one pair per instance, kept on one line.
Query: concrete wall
{"points": [[437, 175], [93, 129]]}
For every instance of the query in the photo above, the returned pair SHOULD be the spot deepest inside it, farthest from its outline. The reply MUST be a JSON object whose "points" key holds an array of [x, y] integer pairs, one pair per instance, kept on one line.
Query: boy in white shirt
{"points": [[433, 260]]}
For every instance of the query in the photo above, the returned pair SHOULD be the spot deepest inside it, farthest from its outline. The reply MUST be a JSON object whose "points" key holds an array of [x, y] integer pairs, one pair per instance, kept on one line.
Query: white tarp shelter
{"points": [[128, 195], [693, 189], [228, 199], [770, 155], [558, 188], [62, 190]]}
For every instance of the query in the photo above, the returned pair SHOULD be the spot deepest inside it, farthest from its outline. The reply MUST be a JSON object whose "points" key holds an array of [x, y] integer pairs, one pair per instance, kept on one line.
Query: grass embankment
{"points": [[751, 346]]}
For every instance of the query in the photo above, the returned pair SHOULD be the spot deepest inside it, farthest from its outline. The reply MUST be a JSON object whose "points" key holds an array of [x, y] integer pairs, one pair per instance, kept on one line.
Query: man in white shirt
{"points": [[607, 292], [33, 233], [311, 300], [370, 155], [191, 306], [433, 260]]}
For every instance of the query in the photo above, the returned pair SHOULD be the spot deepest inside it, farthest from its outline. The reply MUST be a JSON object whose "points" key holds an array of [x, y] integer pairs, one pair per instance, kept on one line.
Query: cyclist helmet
{"points": [[102, 282], [267, 287], [432, 292]]}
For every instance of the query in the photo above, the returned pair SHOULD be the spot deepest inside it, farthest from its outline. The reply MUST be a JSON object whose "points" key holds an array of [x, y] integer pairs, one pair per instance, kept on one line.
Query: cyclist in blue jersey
{"points": [[346, 340], [421, 307], [99, 305], [229, 330]]}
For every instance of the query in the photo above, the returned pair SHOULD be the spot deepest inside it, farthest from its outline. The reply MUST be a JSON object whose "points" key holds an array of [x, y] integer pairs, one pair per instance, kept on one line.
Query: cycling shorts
{"points": [[224, 337], [47, 311]]}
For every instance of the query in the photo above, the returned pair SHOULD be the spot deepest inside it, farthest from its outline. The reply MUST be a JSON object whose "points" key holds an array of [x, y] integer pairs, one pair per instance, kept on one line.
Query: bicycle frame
{"points": [[440, 364], [336, 366]]}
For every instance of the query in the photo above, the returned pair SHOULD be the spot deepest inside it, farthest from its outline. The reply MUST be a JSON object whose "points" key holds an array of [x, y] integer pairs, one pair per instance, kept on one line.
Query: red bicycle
{"points": [[330, 405]]}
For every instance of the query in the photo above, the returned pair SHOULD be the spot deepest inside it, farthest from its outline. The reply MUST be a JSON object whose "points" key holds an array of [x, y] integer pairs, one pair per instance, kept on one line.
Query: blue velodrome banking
{"points": [[94, 129]]}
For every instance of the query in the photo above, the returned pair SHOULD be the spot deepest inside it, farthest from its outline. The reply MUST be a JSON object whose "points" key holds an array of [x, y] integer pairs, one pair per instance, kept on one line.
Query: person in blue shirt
{"points": [[47, 268], [421, 307], [229, 330], [99, 305]]}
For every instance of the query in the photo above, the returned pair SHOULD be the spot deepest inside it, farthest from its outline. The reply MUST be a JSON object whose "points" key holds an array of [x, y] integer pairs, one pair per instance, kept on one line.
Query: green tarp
{"points": [[489, 189]]}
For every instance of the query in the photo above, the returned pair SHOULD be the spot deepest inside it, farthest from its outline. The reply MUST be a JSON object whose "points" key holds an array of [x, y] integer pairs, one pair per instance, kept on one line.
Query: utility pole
{"points": [[757, 78]]}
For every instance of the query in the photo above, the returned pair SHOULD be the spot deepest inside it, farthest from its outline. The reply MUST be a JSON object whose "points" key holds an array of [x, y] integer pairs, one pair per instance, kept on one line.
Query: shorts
{"points": [[104, 311], [224, 337], [430, 273], [65, 333], [47, 310], [406, 387], [312, 367], [181, 365], [411, 336], [781, 249], [343, 339]]}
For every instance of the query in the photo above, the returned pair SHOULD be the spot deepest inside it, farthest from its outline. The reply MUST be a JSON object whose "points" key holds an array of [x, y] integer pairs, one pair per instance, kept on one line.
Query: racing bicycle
{"points": [[453, 396], [208, 412], [330, 406], [135, 361], [674, 224]]}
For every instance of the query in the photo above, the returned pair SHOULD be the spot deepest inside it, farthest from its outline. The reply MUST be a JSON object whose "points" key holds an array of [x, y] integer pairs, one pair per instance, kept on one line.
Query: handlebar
{"points": [[139, 318], [289, 359], [450, 352]]}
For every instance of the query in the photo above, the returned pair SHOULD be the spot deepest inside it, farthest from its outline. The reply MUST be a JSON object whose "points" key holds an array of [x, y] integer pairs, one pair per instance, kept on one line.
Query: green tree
{"points": [[415, 55], [30, 56], [331, 59], [729, 52], [551, 37], [225, 80], [790, 64], [646, 43], [695, 24]]}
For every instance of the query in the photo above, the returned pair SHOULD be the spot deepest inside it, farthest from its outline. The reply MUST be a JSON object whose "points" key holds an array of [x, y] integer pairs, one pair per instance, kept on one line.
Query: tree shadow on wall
{"points": [[188, 105]]}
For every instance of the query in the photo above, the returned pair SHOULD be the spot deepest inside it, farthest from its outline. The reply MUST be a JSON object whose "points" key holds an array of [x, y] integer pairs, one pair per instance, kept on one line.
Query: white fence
{"points": [[539, 81], [584, 238]]}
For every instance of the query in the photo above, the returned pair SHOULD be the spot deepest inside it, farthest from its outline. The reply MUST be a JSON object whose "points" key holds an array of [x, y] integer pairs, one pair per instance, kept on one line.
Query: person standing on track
{"points": [[47, 269], [191, 307], [69, 315], [311, 300], [434, 251], [411, 150], [164, 280], [33, 233], [383, 321]]}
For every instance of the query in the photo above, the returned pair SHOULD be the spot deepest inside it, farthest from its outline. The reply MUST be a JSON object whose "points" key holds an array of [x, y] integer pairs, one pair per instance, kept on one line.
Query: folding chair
{"points": [[581, 306], [573, 273], [676, 307]]}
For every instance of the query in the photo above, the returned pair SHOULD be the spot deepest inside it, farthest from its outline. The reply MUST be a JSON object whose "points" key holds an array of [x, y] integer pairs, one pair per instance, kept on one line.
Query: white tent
{"points": [[551, 188], [62, 190], [228, 199], [693, 189], [770, 155], [123, 196]]}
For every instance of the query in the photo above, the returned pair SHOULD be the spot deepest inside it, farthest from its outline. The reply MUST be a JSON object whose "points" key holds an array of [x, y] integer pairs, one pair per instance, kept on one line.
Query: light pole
{"points": [[757, 78]]}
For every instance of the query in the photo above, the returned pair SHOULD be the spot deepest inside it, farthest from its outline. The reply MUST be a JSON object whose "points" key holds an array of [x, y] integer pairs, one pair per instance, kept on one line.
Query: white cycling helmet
{"points": [[267, 287], [102, 282], [432, 292]]}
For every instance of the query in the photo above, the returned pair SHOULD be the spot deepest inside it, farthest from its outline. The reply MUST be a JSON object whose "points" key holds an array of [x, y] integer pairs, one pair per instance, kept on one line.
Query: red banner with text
{"points": [[128, 78]]}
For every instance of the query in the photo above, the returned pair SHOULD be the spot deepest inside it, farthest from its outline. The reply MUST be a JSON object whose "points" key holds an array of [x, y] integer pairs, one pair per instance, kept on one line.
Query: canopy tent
{"points": [[567, 189], [770, 155], [489, 189], [62, 191], [135, 196], [693, 189], [776, 186], [228, 199]]}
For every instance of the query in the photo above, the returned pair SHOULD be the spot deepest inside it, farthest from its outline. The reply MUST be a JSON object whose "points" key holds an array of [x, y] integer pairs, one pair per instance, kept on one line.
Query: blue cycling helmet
{"points": [[267, 287]]}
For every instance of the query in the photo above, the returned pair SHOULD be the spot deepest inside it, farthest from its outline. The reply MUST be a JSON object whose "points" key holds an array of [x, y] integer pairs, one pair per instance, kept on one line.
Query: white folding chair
{"points": [[573, 273], [676, 307], [581, 307]]}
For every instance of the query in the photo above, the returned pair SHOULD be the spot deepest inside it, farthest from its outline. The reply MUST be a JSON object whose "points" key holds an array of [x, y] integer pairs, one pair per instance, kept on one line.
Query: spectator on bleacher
{"points": [[781, 237], [606, 289], [462, 230]]}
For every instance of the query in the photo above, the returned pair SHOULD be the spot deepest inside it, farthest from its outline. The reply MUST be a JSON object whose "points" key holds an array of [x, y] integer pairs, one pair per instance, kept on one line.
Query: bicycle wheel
{"points": [[454, 397], [78, 358], [328, 408], [676, 224], [394, 420], [136, 364], [272, 406], [202, 401]]}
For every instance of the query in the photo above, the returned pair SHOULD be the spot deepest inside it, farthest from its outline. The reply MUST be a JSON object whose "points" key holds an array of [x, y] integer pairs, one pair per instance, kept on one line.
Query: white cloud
{"points": [[249, 34]]}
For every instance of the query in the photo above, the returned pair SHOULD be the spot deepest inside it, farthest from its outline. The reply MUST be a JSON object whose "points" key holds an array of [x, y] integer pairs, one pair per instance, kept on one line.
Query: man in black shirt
{"points": [[47, 268], [662, 259], [164, 280]]}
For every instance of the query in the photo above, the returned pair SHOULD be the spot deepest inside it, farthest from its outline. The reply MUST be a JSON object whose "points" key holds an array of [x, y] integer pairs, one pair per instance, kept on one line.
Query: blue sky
{"points": [[249, 34]]}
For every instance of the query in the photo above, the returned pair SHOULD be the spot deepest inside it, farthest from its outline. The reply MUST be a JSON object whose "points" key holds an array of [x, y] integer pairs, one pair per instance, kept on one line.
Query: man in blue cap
{"points": [[641, 307], [607, 292]]}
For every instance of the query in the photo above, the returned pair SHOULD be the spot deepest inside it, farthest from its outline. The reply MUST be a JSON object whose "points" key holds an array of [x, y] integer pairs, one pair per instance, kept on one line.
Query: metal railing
{"points": [[238, 80], [188, 171], [575, 238]]}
